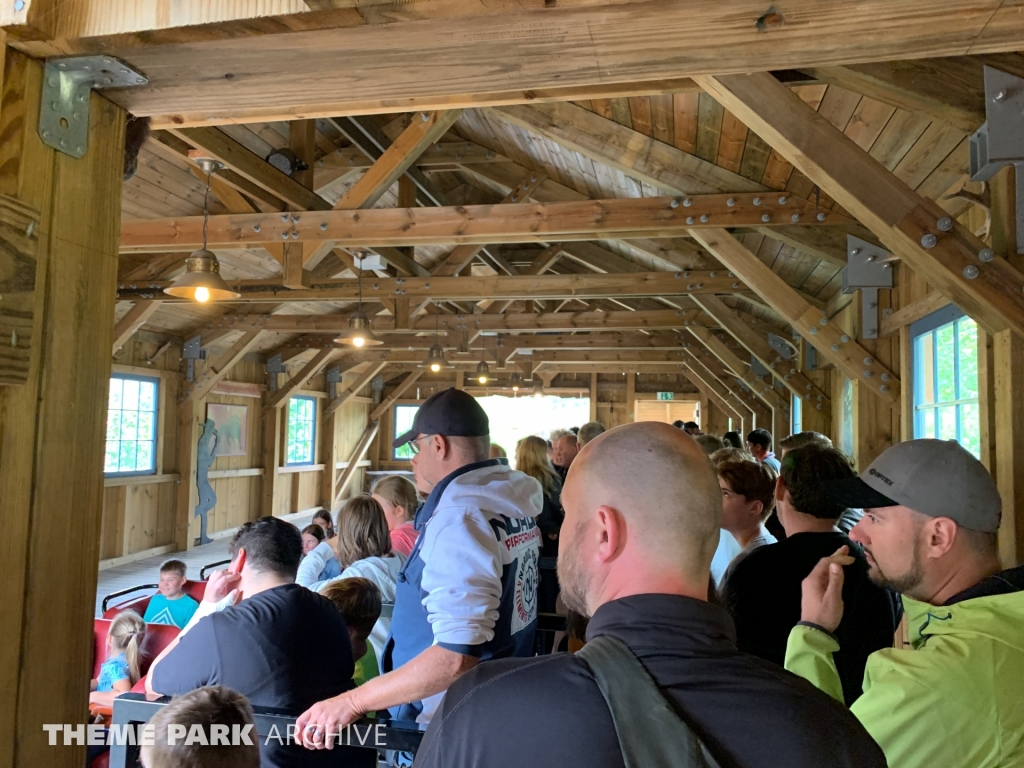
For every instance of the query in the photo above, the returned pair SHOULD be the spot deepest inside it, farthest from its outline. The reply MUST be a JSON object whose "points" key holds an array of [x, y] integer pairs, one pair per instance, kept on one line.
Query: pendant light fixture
{"points": [[483, 371], [435, 359], [202, 281], [515, 381], [359, 333]]}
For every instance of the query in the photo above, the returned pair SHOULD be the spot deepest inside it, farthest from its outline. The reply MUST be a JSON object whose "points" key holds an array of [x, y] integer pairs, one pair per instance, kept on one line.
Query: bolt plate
{"points": [[780, 345], [862, 273], [64, 110]]}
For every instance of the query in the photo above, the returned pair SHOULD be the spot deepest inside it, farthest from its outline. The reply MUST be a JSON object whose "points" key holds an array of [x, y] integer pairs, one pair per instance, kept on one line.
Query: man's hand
{"points": [[822, 602], [320, 725], [220, 585]]}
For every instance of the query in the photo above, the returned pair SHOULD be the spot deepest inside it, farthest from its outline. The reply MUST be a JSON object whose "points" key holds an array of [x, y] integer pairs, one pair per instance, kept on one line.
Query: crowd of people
{"points": [[726, 607]]}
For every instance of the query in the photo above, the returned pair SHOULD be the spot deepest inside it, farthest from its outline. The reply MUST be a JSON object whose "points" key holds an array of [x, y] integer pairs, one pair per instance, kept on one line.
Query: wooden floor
{"points": [[147, 571]]}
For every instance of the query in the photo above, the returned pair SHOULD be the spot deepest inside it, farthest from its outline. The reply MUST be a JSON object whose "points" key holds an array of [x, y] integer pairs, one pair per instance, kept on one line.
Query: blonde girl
{"points": [[121, 669]]}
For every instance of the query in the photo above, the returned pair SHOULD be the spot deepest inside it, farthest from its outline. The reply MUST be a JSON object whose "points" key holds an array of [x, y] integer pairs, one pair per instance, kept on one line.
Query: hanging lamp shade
{"points": [[515, 381], [359, 333], [435, 359], [483, 372], [201, 281]]}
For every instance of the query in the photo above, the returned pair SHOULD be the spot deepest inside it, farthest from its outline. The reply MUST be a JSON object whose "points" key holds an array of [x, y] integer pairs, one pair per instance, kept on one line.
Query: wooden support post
{"points": [[630, 396], [593, 397], [190, 416], [460, 380], [130, 323], [219, 368], [396, 393], [353, 461], [329, 458], [302, 141], [271, 459], [52, 424], [1008, 362]]}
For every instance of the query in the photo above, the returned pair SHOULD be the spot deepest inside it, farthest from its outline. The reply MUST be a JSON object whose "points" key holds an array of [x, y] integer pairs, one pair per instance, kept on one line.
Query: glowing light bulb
{"points": [[202, 294], [515, 387], [435, 367], [482, 379], [358, 341]]}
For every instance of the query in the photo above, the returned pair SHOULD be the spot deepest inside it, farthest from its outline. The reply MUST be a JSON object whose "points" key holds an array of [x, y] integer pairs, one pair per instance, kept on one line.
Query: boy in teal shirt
{"points": [[171, 605]]}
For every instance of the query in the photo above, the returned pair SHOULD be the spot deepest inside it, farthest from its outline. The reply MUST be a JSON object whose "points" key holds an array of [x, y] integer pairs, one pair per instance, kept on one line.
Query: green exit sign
{"points": [[666, 396]]}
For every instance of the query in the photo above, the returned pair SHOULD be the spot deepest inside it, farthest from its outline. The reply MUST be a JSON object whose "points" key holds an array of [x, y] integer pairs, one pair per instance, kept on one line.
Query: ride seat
{"points": [[158, 637]]}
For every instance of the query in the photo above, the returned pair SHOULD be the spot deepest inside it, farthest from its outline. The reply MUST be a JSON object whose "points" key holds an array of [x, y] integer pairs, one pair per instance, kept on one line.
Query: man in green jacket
{"points": [[956, 699]]}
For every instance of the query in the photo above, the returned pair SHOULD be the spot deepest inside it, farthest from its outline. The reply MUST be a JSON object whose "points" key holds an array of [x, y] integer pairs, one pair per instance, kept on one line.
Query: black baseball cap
{"points": [[451, 413]]}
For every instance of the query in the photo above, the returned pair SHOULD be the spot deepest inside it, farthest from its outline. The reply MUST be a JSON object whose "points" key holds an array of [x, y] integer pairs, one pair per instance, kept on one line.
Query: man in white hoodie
{"points": [[468, 591]]}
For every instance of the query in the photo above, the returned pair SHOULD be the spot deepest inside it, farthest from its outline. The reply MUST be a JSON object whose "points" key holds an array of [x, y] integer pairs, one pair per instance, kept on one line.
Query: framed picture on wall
{"points": [[232, 428]]}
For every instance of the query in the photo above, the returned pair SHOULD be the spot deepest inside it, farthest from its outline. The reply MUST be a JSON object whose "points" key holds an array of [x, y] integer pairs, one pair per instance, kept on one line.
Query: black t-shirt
{"points": [[285, 648], [548, 712], [763, 595]]}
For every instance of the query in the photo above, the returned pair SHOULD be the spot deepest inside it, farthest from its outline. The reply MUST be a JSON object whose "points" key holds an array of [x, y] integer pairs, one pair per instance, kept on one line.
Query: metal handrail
{"points": [[123, 592]]}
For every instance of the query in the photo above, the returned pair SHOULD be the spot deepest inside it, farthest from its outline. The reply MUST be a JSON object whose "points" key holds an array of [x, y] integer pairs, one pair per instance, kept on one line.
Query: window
{"points": [[796, 415], [945, 375], [131, 426], [846, 422], [403, 416], [301, 430]]}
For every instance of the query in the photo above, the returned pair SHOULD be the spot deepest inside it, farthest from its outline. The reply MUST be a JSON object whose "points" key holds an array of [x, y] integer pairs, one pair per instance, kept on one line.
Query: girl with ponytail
{"points": [[121, 669]]}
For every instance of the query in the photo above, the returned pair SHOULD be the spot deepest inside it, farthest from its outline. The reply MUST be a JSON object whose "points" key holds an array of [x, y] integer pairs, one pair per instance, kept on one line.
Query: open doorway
{"points": [[666, 411]]}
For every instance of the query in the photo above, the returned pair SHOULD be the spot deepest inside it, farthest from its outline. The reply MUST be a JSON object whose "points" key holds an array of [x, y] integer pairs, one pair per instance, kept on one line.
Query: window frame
{"points": [[313, 436], [394, 428], [156, 382], [796, 415], [927, 325]]}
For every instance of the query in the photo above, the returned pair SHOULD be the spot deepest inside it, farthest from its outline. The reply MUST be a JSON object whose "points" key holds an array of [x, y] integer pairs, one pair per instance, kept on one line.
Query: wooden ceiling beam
{"points": [[136, 317], [390, 57], [219, 368], [710, 366], [730, 408], [515, 222], [763, 388], [708, 382], [824, 335], [529, 287], [663, 166], [791, 377], [947, 257]]}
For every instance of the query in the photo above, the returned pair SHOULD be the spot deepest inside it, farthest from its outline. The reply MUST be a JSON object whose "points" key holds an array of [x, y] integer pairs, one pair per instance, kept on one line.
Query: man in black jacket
{"points": [[643, 511], [763, 591]]}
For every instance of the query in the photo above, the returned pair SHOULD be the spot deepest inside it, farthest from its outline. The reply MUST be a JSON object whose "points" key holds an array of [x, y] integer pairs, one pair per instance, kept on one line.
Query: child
{"points": [[748, 498], [359, 601], [319, 560], [206, 707], [398, 498], [324, 520], [171, 605], [121, 670]]}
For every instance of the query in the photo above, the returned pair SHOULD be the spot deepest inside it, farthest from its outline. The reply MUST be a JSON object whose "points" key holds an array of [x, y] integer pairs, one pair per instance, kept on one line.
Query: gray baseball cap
{"points": [[938, 478]]}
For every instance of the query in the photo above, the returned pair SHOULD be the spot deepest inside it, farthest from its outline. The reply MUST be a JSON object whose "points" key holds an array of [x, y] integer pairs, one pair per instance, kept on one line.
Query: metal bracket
{"points": [[377, 387], [810, 358], [275, 365], [868, 268], [333, 379], [780, 345], [1000, 141], [191, 351], [64, 108], [757, 368]]}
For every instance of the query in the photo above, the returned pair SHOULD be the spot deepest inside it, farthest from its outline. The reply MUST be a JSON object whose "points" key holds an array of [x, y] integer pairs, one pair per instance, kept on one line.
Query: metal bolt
{"points": [[854, 251], [868, 361], [687, 202], [295, 219], [533, 178], [868, 374], [735, 285], [689, 219], [323, 227], [808, 387], [284, 217], [256, 228], [782, 200], [885, 377], [765, 218], [425, 116], [712, 273], [757, 201], [284, 235], [971, 271], [884, 388], [1000, 95], [823, 321], [699, 286], [818, 406], [730, 202], [525, 185], [814, 331], [674, 204], [944, 224], [795, 217], [787, 377], [80, 149], [928, 240], [295, 235], [730, 274], [844, 338], [835, 347], [820, 217], [986, 255], [703, 217], [689, 287]]}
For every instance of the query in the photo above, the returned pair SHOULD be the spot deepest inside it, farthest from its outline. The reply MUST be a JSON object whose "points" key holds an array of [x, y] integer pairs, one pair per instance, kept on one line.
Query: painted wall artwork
{"points": [[232, 428]]}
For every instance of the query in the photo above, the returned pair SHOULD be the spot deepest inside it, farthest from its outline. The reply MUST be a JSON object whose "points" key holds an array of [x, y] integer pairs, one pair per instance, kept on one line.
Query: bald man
{"points": [[642, 515]]}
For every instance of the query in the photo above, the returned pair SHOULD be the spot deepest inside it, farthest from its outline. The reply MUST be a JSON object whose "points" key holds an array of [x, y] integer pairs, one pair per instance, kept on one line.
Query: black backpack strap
{"points": [[650, 730]]}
